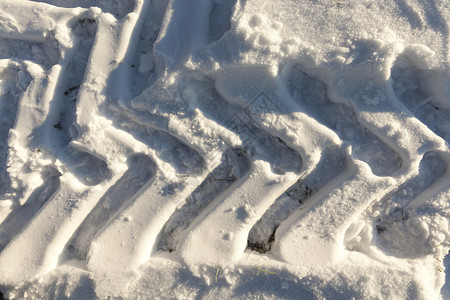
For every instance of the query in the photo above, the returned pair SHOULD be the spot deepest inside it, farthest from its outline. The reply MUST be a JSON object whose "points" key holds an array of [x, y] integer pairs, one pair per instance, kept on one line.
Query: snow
{"points": [[197, 149]]}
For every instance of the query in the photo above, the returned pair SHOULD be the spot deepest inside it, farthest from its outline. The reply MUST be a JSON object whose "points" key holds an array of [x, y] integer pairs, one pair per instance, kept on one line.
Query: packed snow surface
{"points": [[224, 149]]}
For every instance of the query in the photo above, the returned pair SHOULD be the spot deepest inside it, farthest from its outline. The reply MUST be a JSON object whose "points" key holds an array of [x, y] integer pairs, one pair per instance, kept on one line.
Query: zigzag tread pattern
{"points": [[113, 160]]}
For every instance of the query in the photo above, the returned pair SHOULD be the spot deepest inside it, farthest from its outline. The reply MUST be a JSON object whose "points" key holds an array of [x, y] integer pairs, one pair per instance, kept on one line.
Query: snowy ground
{"points": [[206, 149]]}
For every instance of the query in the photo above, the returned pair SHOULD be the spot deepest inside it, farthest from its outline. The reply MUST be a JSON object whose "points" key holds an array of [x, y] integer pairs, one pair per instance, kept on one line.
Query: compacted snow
{"points": [[206, 149]]}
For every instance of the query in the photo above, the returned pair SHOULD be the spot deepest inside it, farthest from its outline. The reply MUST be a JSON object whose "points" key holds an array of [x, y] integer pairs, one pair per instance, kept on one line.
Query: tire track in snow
{"points": [[398, 213], [423, 183], [311, 94], [256, 144], [47, 233], [262, 235], [139, 172], [24, 201], [89, 169], [289, 123], [162, 148], [210, 140], [29, 104], [152, 206], [424, 92], [233, 164], [143, 63], [36, 97], [18, 218], [182, 34], [160, 41], [411, 142], [14, 81]]}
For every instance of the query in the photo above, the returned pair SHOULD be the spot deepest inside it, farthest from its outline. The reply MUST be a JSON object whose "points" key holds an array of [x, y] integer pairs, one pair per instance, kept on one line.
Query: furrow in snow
{"points": [[270, 112], [219, 235], [311, 94], [425, 92], [390, 121], [14, 81], [150, 208], [322, 224], [140, 172]]}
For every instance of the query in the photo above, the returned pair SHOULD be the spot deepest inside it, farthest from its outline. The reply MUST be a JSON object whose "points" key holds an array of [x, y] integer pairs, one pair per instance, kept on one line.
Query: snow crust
{"points": [[204, 149]]}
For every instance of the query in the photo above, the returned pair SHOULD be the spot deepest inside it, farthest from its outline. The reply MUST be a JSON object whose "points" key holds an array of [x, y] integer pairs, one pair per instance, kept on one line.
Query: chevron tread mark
{"points": [[154, 158]]}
